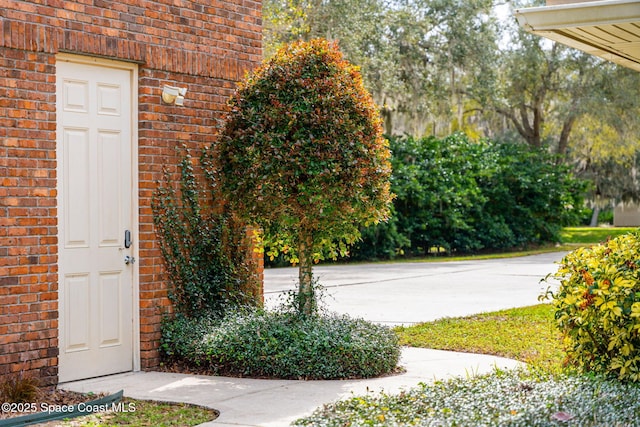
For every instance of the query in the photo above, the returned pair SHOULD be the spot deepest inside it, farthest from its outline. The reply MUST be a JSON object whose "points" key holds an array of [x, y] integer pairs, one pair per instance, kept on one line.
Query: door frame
{"points": [[132, 68]]}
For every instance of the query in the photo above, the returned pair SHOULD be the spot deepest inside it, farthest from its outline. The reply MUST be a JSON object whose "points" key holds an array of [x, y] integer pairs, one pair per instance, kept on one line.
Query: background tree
{"points": [[605, 146], [557, 97], [302, 155], [439, 66], [355, 23], [418, 57], [544, 89]]}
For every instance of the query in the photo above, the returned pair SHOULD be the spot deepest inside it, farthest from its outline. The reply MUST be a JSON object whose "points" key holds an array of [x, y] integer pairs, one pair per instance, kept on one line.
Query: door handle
{"points": [[129, 259], [127, 239]]}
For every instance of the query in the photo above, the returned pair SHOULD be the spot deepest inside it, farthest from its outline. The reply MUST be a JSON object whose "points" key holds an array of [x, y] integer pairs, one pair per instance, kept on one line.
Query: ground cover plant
{"points": [[283, 344], [515, 398], [286, 345], [279, 344]]}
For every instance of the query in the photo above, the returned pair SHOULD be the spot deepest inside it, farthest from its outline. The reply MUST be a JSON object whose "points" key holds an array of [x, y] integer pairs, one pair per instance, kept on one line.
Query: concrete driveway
{"points": [[411, 292]]}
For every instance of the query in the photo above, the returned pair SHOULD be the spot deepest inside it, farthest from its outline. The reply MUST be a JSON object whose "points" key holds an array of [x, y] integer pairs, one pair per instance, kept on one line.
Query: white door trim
{"points": [[133, 72]]}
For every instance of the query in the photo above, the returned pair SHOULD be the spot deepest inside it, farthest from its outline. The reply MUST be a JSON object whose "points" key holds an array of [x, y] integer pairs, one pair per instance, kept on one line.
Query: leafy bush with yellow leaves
{"points": [[598, 307]]}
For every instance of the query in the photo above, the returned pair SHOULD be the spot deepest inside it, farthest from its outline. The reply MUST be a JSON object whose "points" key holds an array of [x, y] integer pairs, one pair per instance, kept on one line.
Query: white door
{"points": [[95, 188]]}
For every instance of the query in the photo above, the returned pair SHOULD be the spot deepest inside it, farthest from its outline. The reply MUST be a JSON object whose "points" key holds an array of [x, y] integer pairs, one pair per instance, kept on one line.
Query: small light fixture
{"points": [[173, 95]]}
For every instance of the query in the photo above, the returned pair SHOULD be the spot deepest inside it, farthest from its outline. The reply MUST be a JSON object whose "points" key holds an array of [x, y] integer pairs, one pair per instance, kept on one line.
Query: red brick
{"points": [[217, 44]]}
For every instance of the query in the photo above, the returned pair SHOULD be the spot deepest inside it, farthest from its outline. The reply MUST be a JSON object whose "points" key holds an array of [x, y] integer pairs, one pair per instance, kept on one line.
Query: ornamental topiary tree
{"points": [[302, 156]]}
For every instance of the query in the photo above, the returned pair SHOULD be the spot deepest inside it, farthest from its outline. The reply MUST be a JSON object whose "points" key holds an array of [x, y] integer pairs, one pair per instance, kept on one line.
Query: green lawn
{"points": [[527, 334], [591, 235], [570, 237]]}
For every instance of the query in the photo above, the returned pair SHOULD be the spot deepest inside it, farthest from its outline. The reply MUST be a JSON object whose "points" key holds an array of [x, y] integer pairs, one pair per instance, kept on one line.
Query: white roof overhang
{"points": [[609, 29]]}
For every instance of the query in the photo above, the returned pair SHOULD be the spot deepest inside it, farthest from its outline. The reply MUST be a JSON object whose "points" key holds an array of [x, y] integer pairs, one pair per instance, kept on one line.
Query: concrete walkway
{"points": [[387, 293], [276, 403]]}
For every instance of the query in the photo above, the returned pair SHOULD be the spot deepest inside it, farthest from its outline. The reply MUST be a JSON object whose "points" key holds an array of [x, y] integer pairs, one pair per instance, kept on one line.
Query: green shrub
{"points": [[381, 241], [285, 345], [199, 244], [598, 307], [467, 196], [605, 216], [182, 337], [437, 190], [531, 194]]}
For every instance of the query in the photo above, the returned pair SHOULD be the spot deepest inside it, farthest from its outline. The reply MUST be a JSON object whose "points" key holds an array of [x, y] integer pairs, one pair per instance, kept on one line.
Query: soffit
{"points": [[608, 29]]}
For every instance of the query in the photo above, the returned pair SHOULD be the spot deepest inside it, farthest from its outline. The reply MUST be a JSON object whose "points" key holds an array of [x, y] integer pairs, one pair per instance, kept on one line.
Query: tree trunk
{"points": [[306, 297], [594, 216], [563, 142]]}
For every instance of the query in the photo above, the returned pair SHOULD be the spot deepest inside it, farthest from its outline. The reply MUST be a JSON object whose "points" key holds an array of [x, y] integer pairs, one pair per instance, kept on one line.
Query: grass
{"points": [[142, 413], [591, 235], [479, 256], [497, 255], [569, 236], [527, 334]]}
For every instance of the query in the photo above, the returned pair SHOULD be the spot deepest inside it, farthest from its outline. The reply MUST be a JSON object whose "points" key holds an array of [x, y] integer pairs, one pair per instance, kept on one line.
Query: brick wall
{"points": [[28, 297], [203, 45]]}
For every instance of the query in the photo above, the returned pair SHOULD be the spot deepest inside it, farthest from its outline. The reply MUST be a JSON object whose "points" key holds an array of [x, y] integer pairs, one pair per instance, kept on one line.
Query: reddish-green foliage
{"points": [[302, 153], [303, 148]]}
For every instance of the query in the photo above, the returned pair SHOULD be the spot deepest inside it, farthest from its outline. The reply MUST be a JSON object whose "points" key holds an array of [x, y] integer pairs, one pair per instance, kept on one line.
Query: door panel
{"points": [[110, 306], [94, 205], [76, 291], [75, 162], [109, 196]]}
